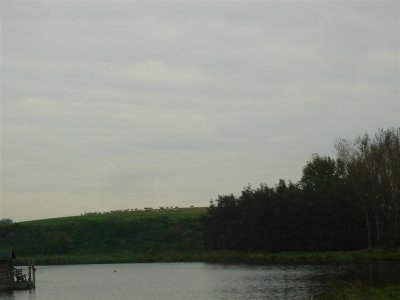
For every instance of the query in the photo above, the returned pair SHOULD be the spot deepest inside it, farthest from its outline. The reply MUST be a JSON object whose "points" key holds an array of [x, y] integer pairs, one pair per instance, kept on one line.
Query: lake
{"points": [[179, 281]]}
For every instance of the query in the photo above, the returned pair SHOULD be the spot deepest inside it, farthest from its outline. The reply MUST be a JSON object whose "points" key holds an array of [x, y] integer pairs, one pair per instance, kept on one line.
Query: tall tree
{"points": [[372, 168]]}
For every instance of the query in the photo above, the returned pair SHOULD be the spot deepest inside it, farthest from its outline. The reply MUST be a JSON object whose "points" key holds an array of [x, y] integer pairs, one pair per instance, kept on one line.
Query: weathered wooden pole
{"points": [[30, 273], [34, 271]]}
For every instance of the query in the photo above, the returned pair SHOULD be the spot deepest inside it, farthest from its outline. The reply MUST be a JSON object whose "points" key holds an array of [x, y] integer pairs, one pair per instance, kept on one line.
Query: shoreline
{"points": [[358, 291], [224, 257]]}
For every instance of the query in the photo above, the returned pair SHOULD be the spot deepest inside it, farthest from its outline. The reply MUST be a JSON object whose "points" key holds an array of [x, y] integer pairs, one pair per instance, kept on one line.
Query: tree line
{"points": [[348, 202]]}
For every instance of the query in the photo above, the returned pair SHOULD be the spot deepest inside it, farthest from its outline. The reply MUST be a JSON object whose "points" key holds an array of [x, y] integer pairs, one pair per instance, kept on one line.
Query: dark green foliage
{"points": [[372, 168], [147, 233], [5, 221], [287, 217], [60, 242], [349, 203]]}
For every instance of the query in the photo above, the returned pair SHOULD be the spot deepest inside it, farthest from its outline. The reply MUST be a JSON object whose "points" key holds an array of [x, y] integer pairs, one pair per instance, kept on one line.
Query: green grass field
{"points": [[119, 236]]}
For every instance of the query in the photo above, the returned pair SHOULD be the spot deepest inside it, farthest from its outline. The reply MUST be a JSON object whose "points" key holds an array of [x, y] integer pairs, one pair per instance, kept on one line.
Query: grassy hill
{"points": [[114, 235]]}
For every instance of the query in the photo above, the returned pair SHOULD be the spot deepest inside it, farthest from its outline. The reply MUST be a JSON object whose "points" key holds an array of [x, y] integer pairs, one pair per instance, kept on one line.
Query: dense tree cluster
{"points": [[350, 202], [372, 170]]}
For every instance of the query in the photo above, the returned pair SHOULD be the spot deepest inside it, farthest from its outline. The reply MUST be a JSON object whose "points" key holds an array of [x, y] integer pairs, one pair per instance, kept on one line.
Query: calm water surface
{"points": [[177, 281]]}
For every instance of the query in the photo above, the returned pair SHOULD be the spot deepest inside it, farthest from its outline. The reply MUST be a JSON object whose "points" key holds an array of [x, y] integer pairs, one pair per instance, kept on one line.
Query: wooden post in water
{"points": [[34, 270], [29, 273]]}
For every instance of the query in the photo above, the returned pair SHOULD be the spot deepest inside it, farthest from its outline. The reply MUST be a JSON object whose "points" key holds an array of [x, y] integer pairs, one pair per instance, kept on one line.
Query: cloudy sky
{"points": [[122, 104]]}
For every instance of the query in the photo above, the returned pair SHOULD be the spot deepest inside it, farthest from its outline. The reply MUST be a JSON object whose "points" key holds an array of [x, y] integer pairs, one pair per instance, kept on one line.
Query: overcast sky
{"points": [[120, 104]]}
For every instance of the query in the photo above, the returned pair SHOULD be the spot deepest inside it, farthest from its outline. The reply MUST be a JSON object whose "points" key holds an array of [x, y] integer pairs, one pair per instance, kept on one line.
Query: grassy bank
{"points": [[303, 257], [111, 258], [359, 291], [224, 257], [306, 257]]}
